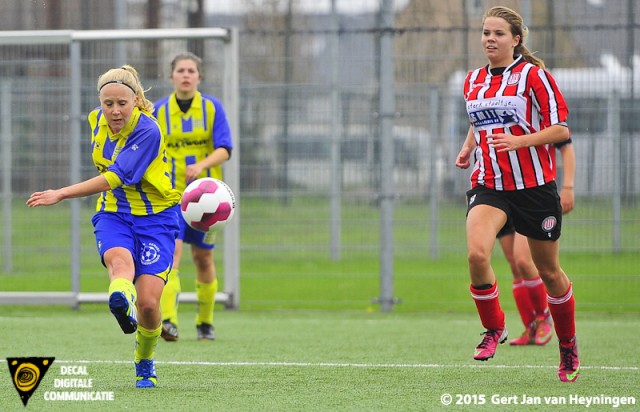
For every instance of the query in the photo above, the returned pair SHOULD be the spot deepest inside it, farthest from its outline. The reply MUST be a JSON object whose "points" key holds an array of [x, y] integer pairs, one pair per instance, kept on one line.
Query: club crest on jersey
{"points": [[549, 223], [149, 254], [514, 78]]}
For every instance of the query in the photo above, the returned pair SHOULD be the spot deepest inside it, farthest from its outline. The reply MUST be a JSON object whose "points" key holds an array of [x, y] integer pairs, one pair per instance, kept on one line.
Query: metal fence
{"points": [[291, 131], [324, 166], [42, 124]]}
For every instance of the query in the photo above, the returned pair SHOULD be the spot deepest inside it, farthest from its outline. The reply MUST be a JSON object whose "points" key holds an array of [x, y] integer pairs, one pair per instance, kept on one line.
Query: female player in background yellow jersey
{"points": [[198, 142], [137, 218]]}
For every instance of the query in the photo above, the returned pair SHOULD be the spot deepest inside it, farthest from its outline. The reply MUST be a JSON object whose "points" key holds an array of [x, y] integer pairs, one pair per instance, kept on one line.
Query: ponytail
{"points": [[527, 55]]}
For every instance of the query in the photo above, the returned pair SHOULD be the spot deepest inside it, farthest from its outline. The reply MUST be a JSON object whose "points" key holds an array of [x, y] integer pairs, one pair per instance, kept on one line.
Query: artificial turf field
{"points": [[308, 360]]}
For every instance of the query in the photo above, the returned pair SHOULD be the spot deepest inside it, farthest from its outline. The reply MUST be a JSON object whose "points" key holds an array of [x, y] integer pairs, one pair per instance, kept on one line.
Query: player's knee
{"points": [[526, 270], [478, 258], [550, 275], [148, 308], [203, 263]]}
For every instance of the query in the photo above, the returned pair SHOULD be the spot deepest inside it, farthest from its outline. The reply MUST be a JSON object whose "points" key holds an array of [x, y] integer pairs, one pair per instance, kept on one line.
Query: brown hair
{"points": [[187, 56], [127, 76], [517, 29]]}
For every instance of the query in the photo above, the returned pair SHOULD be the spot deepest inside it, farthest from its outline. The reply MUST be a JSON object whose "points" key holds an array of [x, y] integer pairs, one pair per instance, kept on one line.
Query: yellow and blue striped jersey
{"points": [[194, 135], [134, 163]]}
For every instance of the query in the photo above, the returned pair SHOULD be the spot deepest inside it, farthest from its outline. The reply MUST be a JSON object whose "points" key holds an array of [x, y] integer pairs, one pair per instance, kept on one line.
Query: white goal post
{"points": [[230, 296]]}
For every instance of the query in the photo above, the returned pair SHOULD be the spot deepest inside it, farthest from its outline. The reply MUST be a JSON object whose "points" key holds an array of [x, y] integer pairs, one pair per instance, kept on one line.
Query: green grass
{"points": [[315, 361], [285, 259]]}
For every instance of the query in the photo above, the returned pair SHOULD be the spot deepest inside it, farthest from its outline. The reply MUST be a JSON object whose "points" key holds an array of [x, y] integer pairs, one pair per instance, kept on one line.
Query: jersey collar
{"points": [[516, 62], [126, 130], [196, 103]]}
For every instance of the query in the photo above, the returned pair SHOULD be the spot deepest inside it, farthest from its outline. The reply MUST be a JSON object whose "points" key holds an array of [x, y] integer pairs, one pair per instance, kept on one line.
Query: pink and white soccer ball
{"points": [[207, 204]]}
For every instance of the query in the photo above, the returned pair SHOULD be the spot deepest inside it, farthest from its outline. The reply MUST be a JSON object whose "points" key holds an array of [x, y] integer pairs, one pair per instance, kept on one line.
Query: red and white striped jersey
{"points": [[523, 99]]}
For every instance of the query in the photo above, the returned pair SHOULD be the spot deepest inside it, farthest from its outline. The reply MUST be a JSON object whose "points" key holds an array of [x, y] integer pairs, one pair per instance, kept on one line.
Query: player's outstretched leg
{"points": [[122, 297]]}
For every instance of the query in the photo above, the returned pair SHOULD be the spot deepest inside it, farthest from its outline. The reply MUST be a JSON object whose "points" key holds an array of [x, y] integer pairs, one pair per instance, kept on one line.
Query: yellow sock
{"points": [[206, 294], [146, 341], [125, 286], [169, 299]]}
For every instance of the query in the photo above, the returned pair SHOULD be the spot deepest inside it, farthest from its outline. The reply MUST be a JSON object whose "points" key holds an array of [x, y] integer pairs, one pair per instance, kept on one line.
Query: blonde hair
{"points": [[127, 76], [517, 29]]}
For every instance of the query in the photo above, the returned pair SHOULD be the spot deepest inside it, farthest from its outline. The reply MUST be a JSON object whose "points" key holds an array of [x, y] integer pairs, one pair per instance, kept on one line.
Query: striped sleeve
{"points": [[551, 104]]}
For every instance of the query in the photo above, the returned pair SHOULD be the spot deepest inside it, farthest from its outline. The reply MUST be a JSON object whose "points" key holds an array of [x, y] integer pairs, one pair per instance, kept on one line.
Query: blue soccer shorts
{"points": [[150, 239], [203, 240]]}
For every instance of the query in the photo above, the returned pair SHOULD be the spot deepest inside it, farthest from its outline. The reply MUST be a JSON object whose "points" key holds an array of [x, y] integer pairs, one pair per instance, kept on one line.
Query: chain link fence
{"points": [[310, 143]]}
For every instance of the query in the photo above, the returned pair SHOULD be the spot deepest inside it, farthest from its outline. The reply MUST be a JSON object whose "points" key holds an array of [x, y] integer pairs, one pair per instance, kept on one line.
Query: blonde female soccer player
{"points": [[198, 142], [137, 218]]}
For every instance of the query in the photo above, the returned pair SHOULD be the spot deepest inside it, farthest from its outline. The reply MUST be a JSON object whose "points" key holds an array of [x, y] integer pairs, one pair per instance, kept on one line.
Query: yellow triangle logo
{"points": [[26, 374]]}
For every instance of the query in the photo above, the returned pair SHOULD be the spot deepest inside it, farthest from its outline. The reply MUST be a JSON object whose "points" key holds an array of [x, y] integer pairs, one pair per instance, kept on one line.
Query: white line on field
{"points": [[348, 365]]}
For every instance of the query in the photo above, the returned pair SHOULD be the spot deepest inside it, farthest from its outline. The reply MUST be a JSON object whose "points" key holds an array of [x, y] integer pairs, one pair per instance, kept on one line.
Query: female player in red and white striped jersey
{"points": [[529, 292], [517, 113]]}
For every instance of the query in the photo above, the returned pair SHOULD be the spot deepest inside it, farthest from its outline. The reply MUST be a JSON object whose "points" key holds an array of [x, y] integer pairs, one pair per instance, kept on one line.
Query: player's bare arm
{"points": [[218, 156], [567, 195], [504, 142], [51, 197], [464, 156]]}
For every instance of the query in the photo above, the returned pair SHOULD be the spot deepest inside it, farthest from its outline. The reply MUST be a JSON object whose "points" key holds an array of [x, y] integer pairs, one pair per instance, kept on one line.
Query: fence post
{"points": [[75, 57], [335, 137], [231, 100], [613, 122], [7, 138], [387, 157], [434, 181]]}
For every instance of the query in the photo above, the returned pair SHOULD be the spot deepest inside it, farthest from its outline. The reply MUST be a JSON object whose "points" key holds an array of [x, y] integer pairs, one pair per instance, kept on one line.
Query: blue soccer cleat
{"points": [[146, 374], [124, 312]]}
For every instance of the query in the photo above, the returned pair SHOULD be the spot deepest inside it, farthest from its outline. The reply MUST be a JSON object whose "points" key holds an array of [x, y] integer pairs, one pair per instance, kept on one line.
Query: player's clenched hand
{"points": [[462, 161], [192, 172], [567, 199], [503, 142], [46, 198]]}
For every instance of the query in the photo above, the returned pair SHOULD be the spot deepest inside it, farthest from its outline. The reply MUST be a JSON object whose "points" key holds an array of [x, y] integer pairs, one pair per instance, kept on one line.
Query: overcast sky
{"points": [[310, 6]]}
